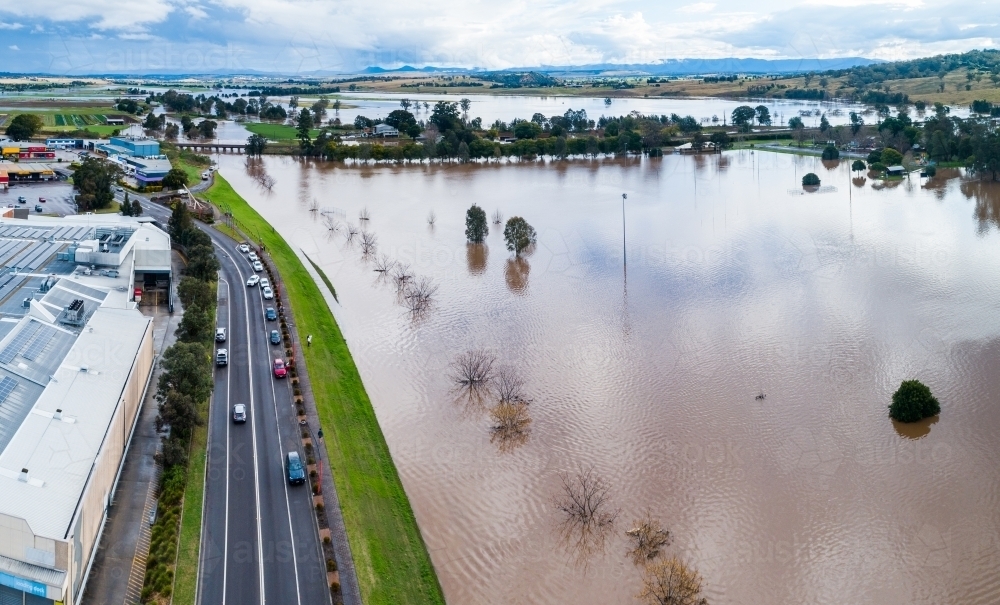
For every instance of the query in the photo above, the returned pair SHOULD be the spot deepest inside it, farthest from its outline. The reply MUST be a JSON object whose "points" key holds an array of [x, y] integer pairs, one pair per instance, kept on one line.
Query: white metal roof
{"points": [[59, 454]]}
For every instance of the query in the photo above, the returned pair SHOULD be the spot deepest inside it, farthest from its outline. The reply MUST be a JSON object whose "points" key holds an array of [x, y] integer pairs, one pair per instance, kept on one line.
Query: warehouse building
{"points": [[76, 356]]}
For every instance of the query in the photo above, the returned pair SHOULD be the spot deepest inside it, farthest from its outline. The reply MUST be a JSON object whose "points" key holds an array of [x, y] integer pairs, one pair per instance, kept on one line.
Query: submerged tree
{"points": [[474, 369], [648, 538], [587, 512], [670, 582], [511, 425], [913, 401], [476, 228], [518, 234]]}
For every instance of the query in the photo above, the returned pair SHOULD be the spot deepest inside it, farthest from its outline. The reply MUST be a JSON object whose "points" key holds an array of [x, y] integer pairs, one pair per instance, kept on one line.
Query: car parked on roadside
{"points": [[253, 257], [270, 314], [275, 337], [220, 335], [239, 413], [265, 283], [268, 293], [280, 371], [253, 281], [258, 267], [293, 467], [222, 357], [243, 248]]}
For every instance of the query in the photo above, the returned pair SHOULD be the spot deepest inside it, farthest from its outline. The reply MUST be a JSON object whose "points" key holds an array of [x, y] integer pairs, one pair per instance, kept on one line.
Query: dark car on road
{"points": [[275, 337], [22, 200], [239, 413], [38, 208], [296, 474], [270, 314]]}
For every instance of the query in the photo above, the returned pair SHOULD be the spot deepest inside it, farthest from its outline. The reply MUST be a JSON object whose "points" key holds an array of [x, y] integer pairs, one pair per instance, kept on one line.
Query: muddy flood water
{"points": [[738, 285]]}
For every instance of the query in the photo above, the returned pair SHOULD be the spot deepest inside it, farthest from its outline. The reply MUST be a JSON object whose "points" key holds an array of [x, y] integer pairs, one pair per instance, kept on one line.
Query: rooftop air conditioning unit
{"points": [[74, 313]]}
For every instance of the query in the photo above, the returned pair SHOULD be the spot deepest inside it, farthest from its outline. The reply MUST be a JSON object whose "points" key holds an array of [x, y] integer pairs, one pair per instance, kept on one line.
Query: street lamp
{"points": [[624, 252]]}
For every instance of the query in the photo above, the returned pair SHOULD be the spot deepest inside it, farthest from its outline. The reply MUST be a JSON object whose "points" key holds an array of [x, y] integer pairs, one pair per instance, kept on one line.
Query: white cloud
{"points": [[105, 14], [13, 47], [698, 7], [10, 25], [196, 12]]}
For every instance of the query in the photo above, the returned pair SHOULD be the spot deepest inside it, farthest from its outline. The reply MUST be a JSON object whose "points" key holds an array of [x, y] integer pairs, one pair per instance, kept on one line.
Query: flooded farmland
{"points": [[733, 382]]}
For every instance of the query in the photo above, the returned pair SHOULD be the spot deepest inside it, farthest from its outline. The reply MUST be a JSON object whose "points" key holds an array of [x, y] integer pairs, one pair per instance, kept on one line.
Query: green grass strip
{"points": [[391, 559], [185, 578], [326, 280]]}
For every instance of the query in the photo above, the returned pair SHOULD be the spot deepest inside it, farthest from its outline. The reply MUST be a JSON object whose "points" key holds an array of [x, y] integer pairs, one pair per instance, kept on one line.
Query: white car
{"points": [[243, 248], [268, 294], [265, 283], [257, 266], [253, 281], [252, 256]]}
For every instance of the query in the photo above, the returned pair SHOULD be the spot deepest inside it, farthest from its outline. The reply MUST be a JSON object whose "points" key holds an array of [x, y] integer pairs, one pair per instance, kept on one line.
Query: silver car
{"points": [[258, 267]]}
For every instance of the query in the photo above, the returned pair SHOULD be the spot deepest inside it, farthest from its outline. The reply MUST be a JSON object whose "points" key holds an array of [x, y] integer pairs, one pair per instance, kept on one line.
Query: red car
{"points": [[279, 368], [42, 200]]}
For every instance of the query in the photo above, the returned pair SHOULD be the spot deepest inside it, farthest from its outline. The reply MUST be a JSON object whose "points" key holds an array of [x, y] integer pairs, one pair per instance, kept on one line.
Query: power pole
{"points": [[624, 250]]}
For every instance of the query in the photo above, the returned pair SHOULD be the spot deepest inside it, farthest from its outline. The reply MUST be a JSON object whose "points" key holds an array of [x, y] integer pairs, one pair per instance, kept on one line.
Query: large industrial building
{"points": [[76, 356]]}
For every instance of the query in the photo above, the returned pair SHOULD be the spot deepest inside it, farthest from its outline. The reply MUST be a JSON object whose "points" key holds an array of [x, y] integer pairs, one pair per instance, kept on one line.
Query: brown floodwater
{"points": [[738, 284]]}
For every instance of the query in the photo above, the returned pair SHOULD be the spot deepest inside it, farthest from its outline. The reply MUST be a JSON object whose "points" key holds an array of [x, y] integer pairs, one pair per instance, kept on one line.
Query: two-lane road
{"points": [[259, 538]]}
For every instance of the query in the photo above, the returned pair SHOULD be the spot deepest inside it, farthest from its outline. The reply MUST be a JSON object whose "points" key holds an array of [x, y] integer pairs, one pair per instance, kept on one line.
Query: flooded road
{"points": [[738, 285]]}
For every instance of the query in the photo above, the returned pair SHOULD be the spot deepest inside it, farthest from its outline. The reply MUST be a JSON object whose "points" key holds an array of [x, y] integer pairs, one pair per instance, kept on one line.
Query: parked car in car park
{"points": [[42, 200], [220, 335], [268, 294], [279, 368], [253, 281], [38, 208], [293, 467], [253, 257], [22, 200], [239, 413], [243, 248], [275, 337], [258, 267], [270, 314], [222, 357]]}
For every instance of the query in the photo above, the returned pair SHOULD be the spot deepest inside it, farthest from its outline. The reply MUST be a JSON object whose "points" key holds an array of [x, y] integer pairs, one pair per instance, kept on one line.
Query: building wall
{"points": [[96, 495]]}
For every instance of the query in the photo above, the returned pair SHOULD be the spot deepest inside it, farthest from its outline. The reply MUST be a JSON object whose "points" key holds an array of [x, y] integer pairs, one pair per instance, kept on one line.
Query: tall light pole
{"points": [[624, 251]]}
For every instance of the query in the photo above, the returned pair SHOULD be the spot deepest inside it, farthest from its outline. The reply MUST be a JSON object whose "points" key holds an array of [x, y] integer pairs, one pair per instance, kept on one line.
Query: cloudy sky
{"points": [[302, 36]]}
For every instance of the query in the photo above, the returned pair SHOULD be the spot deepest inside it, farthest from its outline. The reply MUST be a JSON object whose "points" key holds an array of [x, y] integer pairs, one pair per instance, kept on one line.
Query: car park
{"points": [[268, 293], [222, 357], [275, 337], [220, 335], [253, 257], [253, 281], [265, 283], [280, 371], [258, 267], [239, 413], [293, 467], [270, 314]]}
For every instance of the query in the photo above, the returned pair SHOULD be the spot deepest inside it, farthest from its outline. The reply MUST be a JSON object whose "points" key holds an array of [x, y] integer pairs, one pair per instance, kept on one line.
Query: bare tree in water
{"points": [[255, 169], [330, 223], [383, 264], [473, 369], [670, 582], [314, 206], [648, 538], [401, 275], [431, 218], [418, 294], [587, 513], [364, 215], [497, 217], [508, 385], [350, 232], [369, 243]]}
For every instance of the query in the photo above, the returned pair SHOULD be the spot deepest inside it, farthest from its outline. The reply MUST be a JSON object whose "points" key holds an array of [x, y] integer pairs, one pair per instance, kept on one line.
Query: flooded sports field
{"points": [[732, 381]]}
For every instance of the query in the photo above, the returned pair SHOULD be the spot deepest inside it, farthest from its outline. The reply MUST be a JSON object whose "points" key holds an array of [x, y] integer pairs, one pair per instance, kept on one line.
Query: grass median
{"points": [[390, 556]]}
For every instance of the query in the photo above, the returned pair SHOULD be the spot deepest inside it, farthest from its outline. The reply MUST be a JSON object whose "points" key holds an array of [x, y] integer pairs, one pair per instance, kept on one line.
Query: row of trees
{"points": [[182, 390]]}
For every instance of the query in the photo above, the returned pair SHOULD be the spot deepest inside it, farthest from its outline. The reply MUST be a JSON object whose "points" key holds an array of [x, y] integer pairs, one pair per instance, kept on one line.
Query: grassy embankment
{"points": [[193, 164], [186, 575], [390, 556]]}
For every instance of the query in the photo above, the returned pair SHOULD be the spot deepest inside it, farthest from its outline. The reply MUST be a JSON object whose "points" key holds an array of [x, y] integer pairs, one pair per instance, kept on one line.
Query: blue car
{"points": [[270, 314], [275, 337], [296, 474]]}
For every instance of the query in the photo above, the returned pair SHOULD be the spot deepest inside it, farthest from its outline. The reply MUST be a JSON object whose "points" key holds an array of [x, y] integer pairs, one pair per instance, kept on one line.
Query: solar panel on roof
{"points": [[36, 346], [7, 386], [20, 339]]}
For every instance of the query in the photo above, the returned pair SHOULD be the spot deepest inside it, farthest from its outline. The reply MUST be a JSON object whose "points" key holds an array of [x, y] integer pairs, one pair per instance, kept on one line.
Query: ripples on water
{"points": [[734, 287]]}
